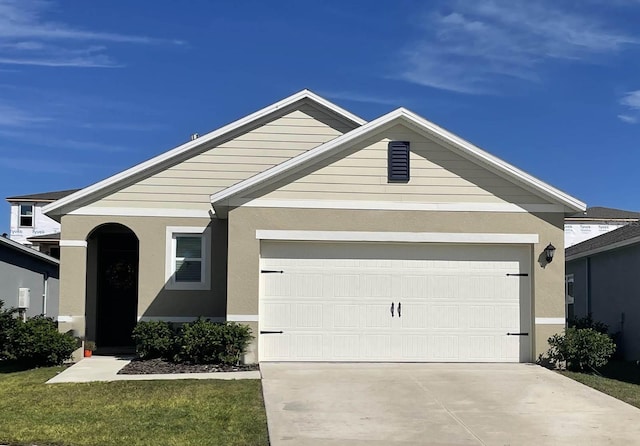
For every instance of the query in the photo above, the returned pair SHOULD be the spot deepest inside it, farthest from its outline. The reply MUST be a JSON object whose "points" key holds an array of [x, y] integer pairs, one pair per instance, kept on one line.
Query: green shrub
{"points": [[199, 342], [581, 348], [588, 322], [235, 340], [205, 342], [7, 323], [37, 342], [154, 339]]}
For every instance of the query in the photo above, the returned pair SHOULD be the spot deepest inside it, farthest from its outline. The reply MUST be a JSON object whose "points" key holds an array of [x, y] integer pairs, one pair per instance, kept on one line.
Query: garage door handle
{"points": [[391, 309], [399, 307], [270, 332], [517, 334]]}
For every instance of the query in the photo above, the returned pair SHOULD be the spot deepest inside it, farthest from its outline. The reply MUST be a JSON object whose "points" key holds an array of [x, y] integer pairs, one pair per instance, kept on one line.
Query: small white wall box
{"points": [[24, 297]]}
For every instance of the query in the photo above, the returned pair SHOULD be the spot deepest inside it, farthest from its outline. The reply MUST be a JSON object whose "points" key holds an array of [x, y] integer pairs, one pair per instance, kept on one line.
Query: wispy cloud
{"points": [[476, 45], [631, 99], [365, 98], [47, 165], [27, 38], [628, 119], [121, 126], [42, 139], [631, 102], [16, 117]]}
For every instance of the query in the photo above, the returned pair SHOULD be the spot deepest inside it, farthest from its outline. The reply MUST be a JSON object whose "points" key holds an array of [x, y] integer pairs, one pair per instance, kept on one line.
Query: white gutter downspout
{"points": [[45, 277]]}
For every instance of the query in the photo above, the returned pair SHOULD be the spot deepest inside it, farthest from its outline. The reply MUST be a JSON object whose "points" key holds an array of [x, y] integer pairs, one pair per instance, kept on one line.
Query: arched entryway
{"points": [[112, 285]]}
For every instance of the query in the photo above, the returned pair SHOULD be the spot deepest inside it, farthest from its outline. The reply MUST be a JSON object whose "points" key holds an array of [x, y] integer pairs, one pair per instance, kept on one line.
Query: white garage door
{"points": [[394, 302]]}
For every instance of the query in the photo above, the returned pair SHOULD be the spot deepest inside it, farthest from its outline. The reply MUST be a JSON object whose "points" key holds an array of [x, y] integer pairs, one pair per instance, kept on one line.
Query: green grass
{"points": [[619, 379], [181, 412]]}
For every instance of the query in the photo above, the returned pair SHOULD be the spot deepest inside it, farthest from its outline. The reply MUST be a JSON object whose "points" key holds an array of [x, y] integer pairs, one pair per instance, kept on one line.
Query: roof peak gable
{"points": [[83, 196], [416, 122]]}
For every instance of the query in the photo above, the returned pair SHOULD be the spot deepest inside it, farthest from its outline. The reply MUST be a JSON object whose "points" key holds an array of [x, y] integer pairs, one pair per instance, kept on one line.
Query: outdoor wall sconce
{"points": [[549, 251]]}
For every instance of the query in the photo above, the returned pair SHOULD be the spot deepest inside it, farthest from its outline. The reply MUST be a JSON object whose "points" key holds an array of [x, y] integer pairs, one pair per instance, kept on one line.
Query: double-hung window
{"points": [[26, 215], [188, 258]]}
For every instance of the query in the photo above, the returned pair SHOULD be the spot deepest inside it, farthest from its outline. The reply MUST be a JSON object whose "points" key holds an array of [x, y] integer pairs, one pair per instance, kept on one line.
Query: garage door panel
{"points": [[444, 348], [333, 302], [308, 316], [345, 316], [308, 347], [276, 315], [442, 316], [377, 316], [344, 347], [377, 347], [277, 347]]}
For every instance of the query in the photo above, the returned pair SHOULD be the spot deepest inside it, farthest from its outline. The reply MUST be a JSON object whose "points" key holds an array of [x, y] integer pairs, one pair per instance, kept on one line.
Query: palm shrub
{"points": [[581, 348]]}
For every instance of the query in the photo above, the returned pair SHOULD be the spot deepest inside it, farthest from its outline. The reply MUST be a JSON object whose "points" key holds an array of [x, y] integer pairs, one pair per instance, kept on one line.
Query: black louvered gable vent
{"points": [[398, 162]]}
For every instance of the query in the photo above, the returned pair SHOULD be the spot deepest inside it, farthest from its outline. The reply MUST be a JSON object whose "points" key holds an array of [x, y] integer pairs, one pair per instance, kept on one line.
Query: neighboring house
{"points": [[602, 279], [595, 221], [335, 239], [48, 244], [27, 269], [30, 226]]}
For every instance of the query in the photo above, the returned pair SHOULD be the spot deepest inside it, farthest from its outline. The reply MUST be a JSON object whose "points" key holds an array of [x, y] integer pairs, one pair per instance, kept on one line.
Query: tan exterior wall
{"points": [[189, 183], [244, 249], [77, 283], [438, 175]]}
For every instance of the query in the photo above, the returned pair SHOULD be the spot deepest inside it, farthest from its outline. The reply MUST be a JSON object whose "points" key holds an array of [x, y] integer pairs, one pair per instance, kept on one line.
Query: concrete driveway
{"points": [[439, 404]]}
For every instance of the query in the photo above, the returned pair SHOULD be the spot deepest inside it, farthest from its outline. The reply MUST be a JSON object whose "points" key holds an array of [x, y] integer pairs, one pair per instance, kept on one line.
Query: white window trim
{"points": [[33, 215], [569, 278], [205, 278]]}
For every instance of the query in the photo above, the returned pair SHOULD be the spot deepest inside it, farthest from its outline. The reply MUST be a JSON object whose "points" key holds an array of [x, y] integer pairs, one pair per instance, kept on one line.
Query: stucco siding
{"points": [[153, 299], [244, 249], [188, 184], [613, 290], [438, 175]]}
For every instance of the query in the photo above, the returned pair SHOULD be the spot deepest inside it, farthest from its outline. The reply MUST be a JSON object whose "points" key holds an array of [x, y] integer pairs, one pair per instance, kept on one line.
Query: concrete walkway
{"points": [[105, 368], [439, 404]]}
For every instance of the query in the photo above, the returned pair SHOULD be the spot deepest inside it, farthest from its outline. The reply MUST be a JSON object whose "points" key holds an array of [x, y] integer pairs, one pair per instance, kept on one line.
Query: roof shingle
{"points": [[43, 196], [625, 233], [602, 213]]}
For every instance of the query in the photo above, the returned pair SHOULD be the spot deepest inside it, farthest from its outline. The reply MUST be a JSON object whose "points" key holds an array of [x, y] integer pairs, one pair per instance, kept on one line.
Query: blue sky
{"points": [[90, 88]]}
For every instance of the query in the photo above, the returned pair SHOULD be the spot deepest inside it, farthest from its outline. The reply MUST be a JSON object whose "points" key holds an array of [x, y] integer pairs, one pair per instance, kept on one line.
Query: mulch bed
{"points": [[155, 366]]}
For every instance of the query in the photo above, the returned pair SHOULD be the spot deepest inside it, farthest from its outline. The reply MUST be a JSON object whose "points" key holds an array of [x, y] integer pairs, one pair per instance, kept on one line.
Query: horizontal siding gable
{"points": [[188, 184], [438, 175]]}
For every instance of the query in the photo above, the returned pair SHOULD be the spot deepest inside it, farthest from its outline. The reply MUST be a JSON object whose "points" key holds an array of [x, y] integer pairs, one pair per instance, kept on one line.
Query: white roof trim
{"points": [[186, 147], [466, 148], [29, 251]]}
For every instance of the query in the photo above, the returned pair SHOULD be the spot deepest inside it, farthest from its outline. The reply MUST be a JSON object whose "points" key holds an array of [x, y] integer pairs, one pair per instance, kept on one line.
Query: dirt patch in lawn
{"points": [[156, 366]]}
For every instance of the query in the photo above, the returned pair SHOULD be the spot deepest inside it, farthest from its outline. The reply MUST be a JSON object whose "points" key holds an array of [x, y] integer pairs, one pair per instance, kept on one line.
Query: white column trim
{"points": [[242, 317], [403, 237], [550, 321], [75, 243]]}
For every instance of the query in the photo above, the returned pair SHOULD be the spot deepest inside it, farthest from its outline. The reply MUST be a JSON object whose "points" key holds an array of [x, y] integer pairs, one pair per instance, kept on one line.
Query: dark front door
{"points": [[117, 289]]}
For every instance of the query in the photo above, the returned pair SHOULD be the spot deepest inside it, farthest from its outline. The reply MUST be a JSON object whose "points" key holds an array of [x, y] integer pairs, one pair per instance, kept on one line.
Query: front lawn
{"points": [[182, 412], [619, 379]]}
